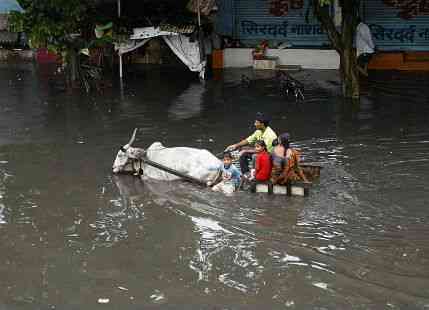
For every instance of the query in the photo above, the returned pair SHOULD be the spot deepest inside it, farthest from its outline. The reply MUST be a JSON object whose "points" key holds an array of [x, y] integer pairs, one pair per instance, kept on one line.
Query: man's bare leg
{"points": [[363, 71]]}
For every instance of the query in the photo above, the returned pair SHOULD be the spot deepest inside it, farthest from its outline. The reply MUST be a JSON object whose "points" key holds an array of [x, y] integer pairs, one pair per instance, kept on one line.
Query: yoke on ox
{"points": [[167, 163]]}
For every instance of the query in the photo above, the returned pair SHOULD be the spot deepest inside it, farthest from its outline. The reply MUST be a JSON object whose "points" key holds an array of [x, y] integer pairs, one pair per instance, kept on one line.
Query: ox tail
{"points": [[133, 137]]}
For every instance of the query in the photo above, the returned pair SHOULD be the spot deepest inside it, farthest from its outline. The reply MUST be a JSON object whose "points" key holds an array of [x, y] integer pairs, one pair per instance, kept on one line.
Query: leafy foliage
{"points": [[52, 23], [65, 27], [15, 22], [325, 2]]}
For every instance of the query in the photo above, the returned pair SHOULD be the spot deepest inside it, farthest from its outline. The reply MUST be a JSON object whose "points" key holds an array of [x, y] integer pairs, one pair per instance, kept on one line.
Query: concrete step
{"points": [[289, 67]]}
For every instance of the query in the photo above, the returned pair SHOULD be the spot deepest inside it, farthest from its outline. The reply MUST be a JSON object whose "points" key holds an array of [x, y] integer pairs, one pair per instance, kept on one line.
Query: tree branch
{"points": [[328, 24], [350, 10]]}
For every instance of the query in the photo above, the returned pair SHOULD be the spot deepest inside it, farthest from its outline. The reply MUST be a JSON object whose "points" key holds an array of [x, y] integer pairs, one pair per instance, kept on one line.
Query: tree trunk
{"points": [[348, 65], [342, 42], [349, 74]]}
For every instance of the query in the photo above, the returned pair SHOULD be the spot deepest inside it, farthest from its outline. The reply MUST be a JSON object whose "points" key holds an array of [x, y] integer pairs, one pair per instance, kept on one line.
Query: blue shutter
{"points": [[403, 25], [252, 21], [225, 17]]}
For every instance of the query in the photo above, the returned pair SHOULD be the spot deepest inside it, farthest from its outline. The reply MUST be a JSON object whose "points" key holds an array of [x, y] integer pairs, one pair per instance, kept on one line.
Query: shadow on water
{"points": [[73, 235]]}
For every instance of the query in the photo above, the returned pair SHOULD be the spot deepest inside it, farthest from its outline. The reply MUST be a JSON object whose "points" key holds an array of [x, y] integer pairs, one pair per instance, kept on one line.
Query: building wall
{"points": [[400, 25], [16, 56], [400, 30], [306, 58], [3, 22], [6, 37], [397, 25]]}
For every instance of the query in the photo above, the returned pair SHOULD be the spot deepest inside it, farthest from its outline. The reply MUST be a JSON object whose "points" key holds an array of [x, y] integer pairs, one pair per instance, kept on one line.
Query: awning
{"points": [[187, 50]]}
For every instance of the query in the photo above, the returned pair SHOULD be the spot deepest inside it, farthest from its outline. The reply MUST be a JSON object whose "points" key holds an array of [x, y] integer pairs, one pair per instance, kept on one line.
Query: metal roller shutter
{"points": [[273, 20], [398, 25]]}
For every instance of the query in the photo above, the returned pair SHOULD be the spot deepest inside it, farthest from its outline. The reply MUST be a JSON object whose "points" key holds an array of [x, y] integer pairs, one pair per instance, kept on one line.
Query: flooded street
{"points": [[74, 236]]}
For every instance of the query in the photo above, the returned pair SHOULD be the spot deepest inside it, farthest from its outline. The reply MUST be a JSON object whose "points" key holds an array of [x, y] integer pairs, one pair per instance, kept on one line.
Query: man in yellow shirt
{"points": [[262, 132]]}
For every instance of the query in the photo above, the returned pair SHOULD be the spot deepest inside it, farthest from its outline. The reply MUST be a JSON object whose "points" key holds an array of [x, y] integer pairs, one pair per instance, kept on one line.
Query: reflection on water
{"points": [[130, 190], [210, 244], [189, 103], [2, 206], [71, 234], [110, 226], [237, 249]]}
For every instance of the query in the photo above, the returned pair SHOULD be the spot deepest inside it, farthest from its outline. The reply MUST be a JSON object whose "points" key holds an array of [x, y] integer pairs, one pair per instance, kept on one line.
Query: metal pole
{"points": [[120, 55], [199, 13], [120, 66], [121, 87]]}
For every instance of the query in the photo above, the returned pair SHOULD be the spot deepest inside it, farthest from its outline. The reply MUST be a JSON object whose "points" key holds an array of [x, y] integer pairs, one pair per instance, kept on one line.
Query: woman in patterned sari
{"points": [[286, 163]]}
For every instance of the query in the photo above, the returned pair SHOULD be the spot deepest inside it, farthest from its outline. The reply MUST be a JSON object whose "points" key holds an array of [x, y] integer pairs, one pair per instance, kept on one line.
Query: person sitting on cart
{"points": [[278, 155], [286, 162], [231, 176], [263, 132], [263, 164]]}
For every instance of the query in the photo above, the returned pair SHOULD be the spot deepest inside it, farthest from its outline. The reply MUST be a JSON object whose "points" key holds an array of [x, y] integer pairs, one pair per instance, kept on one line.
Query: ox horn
{"points": [[133, 137]]}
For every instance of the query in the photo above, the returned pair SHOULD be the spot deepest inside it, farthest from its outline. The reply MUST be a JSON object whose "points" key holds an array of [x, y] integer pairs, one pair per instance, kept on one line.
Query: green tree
{"points": [[59, 25], [342, 39]]}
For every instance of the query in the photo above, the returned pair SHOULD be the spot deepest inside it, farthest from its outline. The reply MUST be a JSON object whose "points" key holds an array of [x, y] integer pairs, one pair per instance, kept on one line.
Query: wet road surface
{"points": [[73, 236]]}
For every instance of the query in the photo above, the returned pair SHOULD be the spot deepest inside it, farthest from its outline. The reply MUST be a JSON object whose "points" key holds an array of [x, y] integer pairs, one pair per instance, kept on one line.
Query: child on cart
{"points": [[262, 163], [230, 176]]}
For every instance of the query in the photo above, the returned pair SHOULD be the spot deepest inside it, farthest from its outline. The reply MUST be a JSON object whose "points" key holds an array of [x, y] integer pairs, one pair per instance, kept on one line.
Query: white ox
{"points": [[197, 163]]}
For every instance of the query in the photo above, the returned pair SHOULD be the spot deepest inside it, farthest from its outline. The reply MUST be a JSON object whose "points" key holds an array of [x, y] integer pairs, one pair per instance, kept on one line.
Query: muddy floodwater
{"points": [[74, 236]]}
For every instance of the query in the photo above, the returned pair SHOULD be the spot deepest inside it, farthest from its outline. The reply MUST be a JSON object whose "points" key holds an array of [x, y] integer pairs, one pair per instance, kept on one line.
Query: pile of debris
{"points": [[286, 84]]}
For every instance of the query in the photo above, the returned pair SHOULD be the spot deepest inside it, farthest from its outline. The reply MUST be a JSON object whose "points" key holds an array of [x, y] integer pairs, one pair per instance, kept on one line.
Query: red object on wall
{"points": [[43, 56]]}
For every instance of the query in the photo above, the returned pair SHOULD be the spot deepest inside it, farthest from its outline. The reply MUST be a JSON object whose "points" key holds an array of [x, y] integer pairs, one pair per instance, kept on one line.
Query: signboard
{"points": [[398, 24], [277, 21]]}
